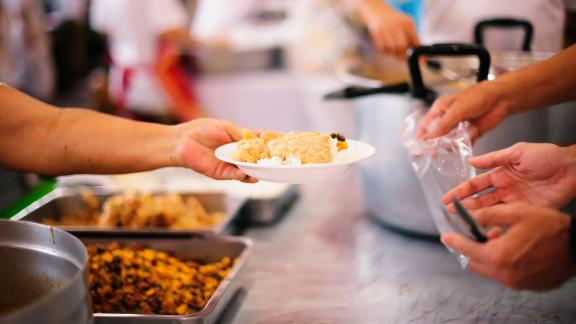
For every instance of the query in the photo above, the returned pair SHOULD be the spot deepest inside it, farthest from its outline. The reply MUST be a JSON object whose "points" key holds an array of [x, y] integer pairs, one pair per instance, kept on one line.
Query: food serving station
{"points": [[278, 253]]}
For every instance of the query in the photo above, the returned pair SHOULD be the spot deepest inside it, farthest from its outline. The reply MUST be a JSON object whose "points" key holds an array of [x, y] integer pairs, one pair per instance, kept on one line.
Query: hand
{"points": [[197, 141], [533, 254], [391, 31], [538, 174], [480, 105]]}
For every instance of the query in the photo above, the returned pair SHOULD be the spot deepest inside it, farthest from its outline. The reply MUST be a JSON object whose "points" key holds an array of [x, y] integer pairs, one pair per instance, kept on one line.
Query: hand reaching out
{"points": [[538, 174]]}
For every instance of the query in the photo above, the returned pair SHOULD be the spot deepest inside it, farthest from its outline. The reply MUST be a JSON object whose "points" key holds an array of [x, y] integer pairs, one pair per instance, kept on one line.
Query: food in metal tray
{"points": [[132, 279], [293, 148], [141, 210]]}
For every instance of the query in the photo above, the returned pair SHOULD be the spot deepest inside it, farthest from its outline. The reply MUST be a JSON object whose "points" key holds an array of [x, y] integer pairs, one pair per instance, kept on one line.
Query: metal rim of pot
{"points": [[76, 254]]}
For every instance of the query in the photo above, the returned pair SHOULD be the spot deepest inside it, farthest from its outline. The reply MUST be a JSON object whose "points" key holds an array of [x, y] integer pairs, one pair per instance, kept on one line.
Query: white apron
{"points": [[454, 21]]}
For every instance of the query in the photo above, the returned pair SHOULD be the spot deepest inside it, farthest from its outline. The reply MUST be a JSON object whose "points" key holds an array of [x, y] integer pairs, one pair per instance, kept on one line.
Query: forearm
{"points": [[44, 139], [538, 85], [90, 142]]}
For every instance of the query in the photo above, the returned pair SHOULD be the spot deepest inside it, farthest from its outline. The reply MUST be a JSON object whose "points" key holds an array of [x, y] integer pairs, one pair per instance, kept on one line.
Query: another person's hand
{"points": [[391, 31], [538, 174], [533, 254], [479, 104], [197, 141]]}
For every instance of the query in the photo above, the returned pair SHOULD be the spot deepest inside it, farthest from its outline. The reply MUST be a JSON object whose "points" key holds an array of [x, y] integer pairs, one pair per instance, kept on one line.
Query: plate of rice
{"points": [[295, 157]]}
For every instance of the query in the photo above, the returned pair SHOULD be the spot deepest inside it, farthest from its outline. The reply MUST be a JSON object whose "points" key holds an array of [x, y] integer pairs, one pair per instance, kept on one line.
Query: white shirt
{"points": [[454, 21], [132, 28]]}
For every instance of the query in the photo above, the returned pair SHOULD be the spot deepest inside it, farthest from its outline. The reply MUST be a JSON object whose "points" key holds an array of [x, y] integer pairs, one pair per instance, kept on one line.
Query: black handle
{"points": [[352, 92], [418, 88], [505, 23]]}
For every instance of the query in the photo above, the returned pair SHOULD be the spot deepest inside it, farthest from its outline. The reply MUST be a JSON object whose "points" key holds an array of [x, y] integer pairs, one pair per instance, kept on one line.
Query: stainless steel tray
{"points": [[268, 209], [67, 200], [194, 246]]}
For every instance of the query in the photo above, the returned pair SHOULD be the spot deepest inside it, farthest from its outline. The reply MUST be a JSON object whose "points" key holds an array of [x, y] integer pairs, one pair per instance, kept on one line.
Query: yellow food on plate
{"points": [[302, 147]]}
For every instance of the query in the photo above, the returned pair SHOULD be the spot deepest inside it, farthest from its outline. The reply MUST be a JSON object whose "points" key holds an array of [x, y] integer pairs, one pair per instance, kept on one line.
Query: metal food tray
{"points": [[186, 246], [270, 209], [67, 200]]}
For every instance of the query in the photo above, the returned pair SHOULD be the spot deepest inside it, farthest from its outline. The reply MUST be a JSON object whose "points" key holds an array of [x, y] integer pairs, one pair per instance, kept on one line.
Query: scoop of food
{"points": [[293, 148], [294, 157]]}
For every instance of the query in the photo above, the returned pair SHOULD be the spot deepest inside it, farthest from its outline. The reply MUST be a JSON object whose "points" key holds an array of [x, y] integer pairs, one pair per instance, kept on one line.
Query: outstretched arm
{"points": [[38, 137], [486, 104]]}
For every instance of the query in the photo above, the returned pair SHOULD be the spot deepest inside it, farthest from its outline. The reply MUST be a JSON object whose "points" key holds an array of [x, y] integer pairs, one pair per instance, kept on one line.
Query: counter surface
{"points": [[327, 262]]}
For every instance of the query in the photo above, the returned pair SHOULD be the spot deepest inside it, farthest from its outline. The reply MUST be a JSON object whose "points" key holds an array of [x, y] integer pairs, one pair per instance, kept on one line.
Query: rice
{"points": [[337, 156], [276, 161]]}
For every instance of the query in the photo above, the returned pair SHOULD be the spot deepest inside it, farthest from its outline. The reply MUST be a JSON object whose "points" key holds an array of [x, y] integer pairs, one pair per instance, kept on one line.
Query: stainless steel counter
{"points": [[326, 262]]}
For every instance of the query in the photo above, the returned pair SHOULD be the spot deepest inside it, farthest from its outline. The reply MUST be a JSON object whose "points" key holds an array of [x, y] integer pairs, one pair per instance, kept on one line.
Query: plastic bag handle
{"points": [[505, 23], [418, 89]]}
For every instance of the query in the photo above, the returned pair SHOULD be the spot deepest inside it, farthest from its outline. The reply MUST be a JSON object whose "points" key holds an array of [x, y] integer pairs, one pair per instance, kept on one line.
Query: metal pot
{"points": [[391, 189], [44, 278]]}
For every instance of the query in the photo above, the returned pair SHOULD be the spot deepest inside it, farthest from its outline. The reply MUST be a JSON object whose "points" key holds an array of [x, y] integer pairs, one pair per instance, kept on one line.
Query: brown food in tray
{"points": [[141, 210], [141, 280]]}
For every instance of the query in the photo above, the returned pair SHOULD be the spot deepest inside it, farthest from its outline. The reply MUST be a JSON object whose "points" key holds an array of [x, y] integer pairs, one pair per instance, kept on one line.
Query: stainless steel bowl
{"points": [[43, 275]]}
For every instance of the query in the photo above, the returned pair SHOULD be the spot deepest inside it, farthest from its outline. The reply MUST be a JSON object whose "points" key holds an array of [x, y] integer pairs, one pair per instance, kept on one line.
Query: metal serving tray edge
{"points": [[269, 210], [195, 246], [62, 200]]}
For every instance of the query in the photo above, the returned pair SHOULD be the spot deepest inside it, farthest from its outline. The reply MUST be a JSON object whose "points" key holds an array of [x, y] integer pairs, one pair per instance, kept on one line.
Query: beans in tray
{"points": [[141, 210], [133, 279]]}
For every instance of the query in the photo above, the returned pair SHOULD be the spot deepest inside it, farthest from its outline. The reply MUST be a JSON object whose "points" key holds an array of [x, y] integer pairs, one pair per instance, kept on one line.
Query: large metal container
{"points": [[69, 200], [43, 276], [190, 246], [390, 187]]}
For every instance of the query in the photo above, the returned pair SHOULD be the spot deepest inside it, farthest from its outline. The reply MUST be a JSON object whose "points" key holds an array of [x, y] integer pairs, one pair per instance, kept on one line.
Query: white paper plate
{"points": [[297, 173]]}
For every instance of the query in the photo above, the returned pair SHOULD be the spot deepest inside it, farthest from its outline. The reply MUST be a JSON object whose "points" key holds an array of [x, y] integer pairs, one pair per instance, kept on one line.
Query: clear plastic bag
{"points": [[440, 164]]}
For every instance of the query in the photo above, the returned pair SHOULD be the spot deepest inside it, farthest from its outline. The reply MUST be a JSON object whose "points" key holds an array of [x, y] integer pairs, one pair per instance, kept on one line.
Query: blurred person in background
{"points": [[71, 43], [146, 39], [395, 26], [25, 56], [228, 23], [322, 36]]}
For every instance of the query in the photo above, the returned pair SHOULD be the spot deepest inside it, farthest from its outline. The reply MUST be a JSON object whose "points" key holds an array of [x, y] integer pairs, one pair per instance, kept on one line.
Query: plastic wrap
{"points": [[440, 164]]}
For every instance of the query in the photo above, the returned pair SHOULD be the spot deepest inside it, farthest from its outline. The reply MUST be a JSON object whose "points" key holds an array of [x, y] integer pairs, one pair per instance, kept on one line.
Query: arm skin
{"points": [[391, 31], [486, 104], [38, 137]]}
